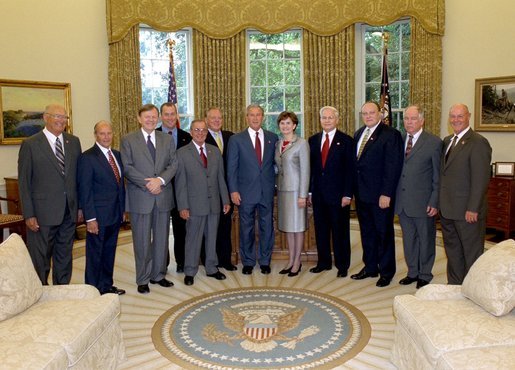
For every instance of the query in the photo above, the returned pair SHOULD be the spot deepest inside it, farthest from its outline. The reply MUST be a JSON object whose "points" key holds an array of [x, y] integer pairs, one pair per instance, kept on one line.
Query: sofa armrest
{"points": [[438, 292], [72, 291]]}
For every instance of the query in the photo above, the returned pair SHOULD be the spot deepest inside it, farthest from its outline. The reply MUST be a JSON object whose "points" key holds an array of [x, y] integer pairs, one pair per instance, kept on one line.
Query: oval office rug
{"points": [[261, 328]]}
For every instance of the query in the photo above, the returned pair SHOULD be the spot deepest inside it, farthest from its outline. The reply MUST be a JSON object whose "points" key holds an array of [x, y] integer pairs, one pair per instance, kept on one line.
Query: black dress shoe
{"points": [[341, 273], [217, 275], [421, 283], [316, 269], [163, 282], [143, 289], [291, 273], [115, 290], [180, 268], [188, 280], [247, 270], [285, 271], [382, 282], [265, 269], [363, 275], [407, 280], [230, 267]]}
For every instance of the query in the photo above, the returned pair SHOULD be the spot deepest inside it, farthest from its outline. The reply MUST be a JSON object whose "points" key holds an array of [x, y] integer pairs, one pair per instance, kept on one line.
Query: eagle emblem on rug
{"points": [[259, 325]]}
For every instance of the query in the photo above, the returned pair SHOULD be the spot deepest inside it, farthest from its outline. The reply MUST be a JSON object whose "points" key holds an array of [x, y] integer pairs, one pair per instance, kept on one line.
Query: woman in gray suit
{"points": [[292, 159]]}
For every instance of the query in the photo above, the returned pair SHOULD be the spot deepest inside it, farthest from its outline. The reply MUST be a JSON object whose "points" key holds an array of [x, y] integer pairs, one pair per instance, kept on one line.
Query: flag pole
{"points": [[172, 87], [385, 88]]}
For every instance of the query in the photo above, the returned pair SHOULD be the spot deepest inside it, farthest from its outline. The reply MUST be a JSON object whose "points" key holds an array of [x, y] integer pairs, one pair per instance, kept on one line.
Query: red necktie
{"points": [[325, 150], [113, 166], [410, 145], [258, 149], [203, 157]]}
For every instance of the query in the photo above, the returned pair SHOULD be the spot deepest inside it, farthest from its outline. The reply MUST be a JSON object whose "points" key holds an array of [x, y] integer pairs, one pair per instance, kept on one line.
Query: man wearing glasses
{"points": [[47, 166]]}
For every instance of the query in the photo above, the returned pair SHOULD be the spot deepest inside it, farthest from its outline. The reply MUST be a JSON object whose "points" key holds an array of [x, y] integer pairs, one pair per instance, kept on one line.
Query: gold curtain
{"points": [[426, 74], [219, 66], [124, 84], [226, 18], [329, 78]]}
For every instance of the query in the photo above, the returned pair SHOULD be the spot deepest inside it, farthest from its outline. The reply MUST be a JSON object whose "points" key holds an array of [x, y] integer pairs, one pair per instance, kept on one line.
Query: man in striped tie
{"points": [[102, 200], [47, 166]]}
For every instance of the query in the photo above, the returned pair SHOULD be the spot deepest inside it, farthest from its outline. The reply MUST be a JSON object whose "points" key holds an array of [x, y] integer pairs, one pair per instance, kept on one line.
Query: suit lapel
{"points": [[104, 163], [250, 146], [195, 154], [419, 143], [48, 152], [372, 139], [458, 147]]}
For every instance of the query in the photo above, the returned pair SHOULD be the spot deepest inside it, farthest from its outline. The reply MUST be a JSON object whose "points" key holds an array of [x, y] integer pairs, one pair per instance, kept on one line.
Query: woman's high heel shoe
{"points": [[291, 273], [285, 271]]}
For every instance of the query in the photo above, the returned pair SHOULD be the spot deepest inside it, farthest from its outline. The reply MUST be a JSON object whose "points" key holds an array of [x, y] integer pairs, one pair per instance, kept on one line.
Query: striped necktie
{"points": [[113, 166], [219, 142], [59, 153], [363, 142]]}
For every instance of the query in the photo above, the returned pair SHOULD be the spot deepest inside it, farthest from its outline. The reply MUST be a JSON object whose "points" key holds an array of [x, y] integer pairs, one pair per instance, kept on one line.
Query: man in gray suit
{"points": [[199, 186], [47, 166], [416, 202], [251, 181], [464, 178], [149, 162]]}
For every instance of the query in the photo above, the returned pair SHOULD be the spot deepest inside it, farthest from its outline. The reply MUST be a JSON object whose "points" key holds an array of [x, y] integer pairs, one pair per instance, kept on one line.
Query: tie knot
{"points": [[201, 149], [327, 136]]}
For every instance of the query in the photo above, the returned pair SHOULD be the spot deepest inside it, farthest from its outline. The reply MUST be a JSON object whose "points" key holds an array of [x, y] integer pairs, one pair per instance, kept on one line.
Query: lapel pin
{"points": [[338, 143]]}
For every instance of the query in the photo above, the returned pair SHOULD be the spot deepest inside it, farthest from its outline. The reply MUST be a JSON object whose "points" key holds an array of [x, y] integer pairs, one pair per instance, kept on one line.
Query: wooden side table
{"points": [[501, 205]]}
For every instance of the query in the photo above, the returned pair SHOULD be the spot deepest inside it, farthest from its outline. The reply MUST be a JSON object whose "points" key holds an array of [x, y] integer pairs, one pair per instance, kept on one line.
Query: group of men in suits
{"points": [[415, 176]]}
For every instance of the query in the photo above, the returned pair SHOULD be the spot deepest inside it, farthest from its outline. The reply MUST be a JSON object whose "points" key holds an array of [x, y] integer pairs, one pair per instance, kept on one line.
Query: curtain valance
{"points": [[225, 18]]}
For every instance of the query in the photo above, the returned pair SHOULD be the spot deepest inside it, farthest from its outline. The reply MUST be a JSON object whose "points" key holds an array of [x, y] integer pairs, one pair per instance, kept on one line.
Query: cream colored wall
{"points": [[65, 40], [61, 41], [478, 43]]}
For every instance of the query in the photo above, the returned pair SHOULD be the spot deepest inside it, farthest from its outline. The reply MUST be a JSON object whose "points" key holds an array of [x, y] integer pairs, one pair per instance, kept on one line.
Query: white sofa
{"points": [[53, 327], [471, 326]]}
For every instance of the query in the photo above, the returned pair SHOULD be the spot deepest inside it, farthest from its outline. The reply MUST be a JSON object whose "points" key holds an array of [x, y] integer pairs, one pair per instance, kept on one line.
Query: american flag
{"points": [[172, 86], [385, 92]]}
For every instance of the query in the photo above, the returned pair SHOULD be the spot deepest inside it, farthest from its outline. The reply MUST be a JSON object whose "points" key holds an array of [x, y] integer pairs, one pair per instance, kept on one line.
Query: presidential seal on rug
{"points": [[261, 328]]}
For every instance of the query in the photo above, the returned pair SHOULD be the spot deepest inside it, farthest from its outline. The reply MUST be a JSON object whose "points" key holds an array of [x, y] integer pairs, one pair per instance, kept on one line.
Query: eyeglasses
{"points": [[200, 130], [58, 116]]}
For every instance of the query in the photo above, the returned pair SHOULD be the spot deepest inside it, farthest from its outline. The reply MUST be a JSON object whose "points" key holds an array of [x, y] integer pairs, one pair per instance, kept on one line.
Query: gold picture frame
{"points": [[495, 104], [22, 104]]}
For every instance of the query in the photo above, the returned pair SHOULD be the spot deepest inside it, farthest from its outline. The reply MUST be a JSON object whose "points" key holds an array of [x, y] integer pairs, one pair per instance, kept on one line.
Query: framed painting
{"points": [[495, 104], [23, 103]]}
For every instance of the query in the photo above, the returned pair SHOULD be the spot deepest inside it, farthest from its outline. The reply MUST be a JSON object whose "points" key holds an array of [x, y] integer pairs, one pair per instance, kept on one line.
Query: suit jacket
{"points": [[336, 180], [293, 166], [464, 178], [44, 190], [101, 197], [200, 189], [244, 175], [183, 137], [226, 135], [419, 183], [138, 165], [379, 166]]}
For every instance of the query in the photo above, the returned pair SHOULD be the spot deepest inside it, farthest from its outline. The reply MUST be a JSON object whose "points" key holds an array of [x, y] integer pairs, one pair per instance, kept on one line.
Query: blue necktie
{"points": [[151, 148]]}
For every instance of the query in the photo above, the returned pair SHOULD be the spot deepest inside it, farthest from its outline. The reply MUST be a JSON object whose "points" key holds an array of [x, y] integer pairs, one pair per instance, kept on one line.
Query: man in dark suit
{"points": [[379, 162], [149, 162], [200, 186], [464, 178], [47, 171], [251, 180], [220, 139], [169, 119], [331, 186], [102, 200], [416, 202]]}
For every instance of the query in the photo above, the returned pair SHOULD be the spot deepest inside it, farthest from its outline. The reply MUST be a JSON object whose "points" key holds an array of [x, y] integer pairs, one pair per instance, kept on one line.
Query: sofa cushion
{"points": [[20, 286], [74, 325], [490, 281], [31, 355], [438, 327], [498, 358]]}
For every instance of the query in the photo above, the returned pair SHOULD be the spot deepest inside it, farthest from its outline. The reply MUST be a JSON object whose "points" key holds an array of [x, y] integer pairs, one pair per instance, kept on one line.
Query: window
{"points": [[275, 75], [370, 43], [155, 61]]}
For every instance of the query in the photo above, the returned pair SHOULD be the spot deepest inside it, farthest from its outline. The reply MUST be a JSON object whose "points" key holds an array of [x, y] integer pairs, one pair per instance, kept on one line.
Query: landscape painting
{"points": [[495, 104], [23, 103]]}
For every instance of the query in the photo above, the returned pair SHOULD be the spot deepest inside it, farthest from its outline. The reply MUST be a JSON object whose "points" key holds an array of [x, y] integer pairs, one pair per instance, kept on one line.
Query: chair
{"points": [[13, 222]]}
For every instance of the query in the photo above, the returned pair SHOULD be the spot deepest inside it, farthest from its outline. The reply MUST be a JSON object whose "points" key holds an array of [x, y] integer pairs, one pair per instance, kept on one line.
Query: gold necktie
{"points": [[219, 142], [363, 142]]}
